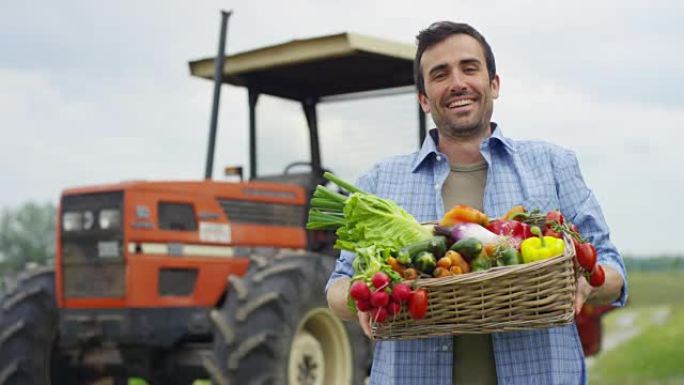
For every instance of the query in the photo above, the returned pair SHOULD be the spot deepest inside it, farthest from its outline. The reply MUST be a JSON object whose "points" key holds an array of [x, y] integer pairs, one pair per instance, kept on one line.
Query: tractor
{"points": [[171, 281]]}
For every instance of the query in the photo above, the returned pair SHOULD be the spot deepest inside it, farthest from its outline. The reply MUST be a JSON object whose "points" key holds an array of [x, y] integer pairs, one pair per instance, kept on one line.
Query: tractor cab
{"points": [[343, 66]]}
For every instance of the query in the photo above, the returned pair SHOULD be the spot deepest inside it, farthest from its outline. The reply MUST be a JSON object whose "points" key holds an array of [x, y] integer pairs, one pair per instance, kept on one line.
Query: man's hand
{"points": [[364, 321], [602, 295], [583, 292]]}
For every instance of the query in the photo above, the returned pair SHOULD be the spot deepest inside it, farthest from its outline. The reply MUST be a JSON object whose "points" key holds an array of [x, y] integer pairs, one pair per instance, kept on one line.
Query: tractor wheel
{"points": [[275, 328], [28, 330]]}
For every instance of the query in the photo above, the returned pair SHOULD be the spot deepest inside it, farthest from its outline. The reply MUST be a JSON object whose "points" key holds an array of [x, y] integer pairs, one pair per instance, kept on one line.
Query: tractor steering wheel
{"points": [[292, 165], [319, 178]]}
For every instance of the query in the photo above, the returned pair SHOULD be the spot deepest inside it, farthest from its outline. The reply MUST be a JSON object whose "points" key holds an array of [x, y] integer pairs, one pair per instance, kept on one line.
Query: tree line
{"points": [[27, 236]]}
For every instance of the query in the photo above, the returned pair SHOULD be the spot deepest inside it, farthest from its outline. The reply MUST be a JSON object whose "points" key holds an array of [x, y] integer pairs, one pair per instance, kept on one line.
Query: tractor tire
{"points": [[274, 328], [28, 330]]}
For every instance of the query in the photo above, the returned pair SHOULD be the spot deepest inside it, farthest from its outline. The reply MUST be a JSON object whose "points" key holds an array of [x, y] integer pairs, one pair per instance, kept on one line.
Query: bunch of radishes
{"points": [[384, 298]]}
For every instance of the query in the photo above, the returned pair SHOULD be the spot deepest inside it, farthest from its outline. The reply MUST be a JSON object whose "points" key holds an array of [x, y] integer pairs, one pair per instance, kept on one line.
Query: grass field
{"points": [[655, 355]]}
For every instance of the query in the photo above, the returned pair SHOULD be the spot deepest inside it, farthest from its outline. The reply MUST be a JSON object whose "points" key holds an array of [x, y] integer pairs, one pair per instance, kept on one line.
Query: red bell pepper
{"points": [[510, 228]]}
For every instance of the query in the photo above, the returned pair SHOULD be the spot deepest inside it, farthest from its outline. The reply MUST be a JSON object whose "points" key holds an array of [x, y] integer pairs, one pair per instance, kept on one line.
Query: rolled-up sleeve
{"points": [[343, 266], [579, 204]]}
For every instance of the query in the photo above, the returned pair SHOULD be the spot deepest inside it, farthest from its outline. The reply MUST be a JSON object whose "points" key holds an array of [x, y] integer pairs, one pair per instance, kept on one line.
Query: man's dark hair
{"points": [[438, 32]]}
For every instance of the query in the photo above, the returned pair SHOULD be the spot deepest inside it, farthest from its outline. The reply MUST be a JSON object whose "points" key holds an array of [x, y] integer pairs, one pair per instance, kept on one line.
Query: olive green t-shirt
{"points": [[473, 353]]}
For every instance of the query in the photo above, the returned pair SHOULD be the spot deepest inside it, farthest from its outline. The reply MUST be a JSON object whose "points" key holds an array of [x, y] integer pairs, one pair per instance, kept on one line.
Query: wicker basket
{"points": [[527, 296]]}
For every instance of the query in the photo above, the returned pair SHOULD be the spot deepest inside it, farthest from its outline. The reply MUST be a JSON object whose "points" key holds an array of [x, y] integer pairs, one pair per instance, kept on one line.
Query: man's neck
{"points": [[462, 151]]}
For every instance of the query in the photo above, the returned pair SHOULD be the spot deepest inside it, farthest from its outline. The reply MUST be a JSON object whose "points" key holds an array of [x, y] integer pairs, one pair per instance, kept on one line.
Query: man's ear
{"points": [[495, 83], [424, 103]]}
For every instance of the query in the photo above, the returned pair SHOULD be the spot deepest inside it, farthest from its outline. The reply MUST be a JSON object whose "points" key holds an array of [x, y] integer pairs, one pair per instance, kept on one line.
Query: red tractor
{"points": [[174, 281]]}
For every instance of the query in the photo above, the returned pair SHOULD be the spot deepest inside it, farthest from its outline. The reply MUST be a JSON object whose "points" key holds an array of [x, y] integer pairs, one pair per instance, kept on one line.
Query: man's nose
{"points": [[457, 82]]}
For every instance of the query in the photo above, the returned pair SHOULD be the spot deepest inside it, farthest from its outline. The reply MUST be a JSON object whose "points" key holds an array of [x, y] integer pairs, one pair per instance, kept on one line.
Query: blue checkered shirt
{"points": [[534, 174]]}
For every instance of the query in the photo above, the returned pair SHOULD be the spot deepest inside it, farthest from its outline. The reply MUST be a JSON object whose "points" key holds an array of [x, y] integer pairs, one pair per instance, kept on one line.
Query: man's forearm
{"points": [[609, 291], [337, 299]]}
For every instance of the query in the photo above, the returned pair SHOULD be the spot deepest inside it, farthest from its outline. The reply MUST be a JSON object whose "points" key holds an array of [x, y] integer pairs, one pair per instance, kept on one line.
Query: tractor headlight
{"points": [[72, 221], [109, 219]]}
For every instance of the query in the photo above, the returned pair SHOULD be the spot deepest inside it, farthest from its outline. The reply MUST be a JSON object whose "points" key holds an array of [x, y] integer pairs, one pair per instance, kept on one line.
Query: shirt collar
{"points": [[432, 140]]}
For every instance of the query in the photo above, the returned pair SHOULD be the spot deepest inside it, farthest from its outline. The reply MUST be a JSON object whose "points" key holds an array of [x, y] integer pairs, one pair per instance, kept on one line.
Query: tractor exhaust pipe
{"points": [[218, 77]]}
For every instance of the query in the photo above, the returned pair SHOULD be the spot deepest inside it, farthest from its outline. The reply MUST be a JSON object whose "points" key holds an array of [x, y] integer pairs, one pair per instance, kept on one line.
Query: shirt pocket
{"points": [[541, 203]]}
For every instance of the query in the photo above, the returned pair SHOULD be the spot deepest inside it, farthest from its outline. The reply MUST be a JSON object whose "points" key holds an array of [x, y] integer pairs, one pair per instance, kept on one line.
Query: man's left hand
{"points": [[584, 289], [602, 295]]}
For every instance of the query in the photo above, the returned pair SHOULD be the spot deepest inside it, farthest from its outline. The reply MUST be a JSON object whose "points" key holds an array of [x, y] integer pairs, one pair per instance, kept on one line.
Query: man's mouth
{"points": [[458, 103]]}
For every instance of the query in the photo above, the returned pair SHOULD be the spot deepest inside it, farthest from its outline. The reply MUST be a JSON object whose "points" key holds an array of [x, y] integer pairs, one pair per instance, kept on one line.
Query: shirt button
{"points": [[436, 186], [439, 158], [445, 348]]}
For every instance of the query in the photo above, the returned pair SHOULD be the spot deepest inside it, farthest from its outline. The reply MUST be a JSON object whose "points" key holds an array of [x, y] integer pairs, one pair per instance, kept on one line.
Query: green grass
{"points": [[656, 355], [656, 288], [653, 357]]}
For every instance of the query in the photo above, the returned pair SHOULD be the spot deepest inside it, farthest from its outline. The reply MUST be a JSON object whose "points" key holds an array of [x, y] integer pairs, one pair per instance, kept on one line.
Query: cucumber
{"points": [[436, 245], [469, 248]]}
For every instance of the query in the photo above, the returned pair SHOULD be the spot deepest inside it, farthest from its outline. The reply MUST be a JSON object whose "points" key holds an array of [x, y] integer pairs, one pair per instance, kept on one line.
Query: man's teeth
{"points": [[460, 103]]}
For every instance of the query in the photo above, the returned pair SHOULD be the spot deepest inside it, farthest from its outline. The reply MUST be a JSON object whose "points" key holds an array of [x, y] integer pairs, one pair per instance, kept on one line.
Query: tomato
{"points": [[555, 216], [597, 277], [418, 303], [586, 256]]}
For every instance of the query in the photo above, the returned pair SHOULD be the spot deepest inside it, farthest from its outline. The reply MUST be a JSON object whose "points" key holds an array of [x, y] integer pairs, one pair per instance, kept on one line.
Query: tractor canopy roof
{"points": [[318, 67]]}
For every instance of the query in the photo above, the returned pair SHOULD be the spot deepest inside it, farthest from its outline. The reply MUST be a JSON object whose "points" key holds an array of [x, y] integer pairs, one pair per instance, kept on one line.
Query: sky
{"points": [[97, 92]]}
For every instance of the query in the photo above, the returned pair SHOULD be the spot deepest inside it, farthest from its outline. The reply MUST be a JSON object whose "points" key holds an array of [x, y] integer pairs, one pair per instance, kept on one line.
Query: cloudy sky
{"points": [[96, 92]]}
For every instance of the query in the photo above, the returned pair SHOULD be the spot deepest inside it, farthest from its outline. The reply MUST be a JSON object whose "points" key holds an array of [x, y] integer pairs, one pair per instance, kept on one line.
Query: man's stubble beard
{"points": [[461, 132]]}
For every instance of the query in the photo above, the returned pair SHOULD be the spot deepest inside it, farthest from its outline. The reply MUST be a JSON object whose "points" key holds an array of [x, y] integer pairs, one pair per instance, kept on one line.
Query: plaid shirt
{"points": [[534, 174]]}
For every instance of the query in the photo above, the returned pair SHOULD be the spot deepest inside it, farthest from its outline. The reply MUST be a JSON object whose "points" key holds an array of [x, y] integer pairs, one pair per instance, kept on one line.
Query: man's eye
{"points": [[470, 70], [439, 76]]}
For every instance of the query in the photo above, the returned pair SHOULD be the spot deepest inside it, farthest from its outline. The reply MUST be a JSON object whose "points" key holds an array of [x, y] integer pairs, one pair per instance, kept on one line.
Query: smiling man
{"points": [[468, 160]]}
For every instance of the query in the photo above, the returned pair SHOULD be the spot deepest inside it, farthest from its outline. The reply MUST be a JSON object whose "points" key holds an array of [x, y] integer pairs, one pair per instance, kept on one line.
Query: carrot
{"points": [[395, 265]]}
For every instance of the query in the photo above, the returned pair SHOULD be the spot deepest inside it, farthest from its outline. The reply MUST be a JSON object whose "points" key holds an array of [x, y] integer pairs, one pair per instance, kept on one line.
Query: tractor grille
{"points": [[92, 258], [262, 213]]}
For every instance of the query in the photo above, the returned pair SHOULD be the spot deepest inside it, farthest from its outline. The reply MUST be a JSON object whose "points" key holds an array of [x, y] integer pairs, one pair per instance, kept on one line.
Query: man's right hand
{"points": [[337, 302]]}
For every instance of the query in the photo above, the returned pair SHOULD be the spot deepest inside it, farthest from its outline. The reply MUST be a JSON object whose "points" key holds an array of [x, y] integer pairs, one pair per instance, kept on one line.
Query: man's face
{"points": [[458, 92]]}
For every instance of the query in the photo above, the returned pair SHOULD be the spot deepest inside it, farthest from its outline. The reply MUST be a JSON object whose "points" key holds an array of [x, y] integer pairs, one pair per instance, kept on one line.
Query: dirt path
{"points": [[629, 324]]}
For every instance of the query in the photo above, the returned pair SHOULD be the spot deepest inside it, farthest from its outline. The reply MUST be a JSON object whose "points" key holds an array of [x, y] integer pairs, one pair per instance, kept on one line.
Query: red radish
{"points": [[363, 305], [379, 314], [359, 291], [401, 292], [393, 308], [380, 280], [379, 298]]}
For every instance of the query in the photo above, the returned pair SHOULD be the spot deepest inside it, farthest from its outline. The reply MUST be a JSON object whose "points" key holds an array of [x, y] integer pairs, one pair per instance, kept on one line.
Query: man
{"points": [[467, 159]]}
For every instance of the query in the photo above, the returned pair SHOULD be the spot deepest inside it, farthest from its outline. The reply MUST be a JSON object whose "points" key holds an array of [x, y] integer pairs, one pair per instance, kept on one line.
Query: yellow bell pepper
{"points": [[538, 248]]}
